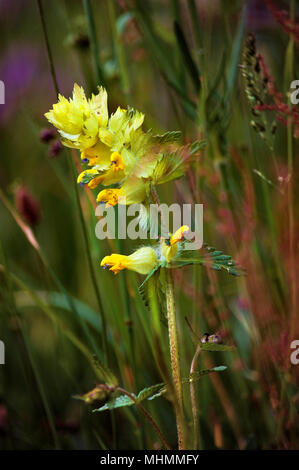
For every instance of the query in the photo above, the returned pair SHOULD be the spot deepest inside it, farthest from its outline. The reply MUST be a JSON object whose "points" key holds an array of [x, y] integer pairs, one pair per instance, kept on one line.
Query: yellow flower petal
{"points": [[78, 120], [141, 261], [98, 155], [169, 247], [94, 183], [168, 252], [109, 196], [179, 234]]}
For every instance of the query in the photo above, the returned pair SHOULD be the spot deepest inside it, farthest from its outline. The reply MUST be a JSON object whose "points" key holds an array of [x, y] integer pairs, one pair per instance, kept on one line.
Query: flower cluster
{"points": [[119, 153], [115, 148]]}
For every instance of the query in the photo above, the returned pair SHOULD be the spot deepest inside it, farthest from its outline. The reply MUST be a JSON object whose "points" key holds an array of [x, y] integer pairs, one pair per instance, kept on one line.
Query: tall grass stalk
{"points": [[120, 52], [290, 151], [175, 360], [194, 400], [94, 41]]}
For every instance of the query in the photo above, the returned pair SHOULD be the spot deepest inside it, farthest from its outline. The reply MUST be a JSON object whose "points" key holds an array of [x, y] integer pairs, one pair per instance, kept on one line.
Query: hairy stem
{"points": [[175, 360], [194, 401]]}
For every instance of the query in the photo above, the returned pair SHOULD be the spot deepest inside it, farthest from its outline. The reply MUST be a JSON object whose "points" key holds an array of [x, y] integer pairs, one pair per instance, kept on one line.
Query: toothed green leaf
{"points": [[154, 391], [168, 137], [210, 257]]}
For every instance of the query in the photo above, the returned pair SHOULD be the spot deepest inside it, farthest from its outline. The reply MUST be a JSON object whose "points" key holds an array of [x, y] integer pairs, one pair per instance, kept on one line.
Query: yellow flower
{"points": [[141, 261], [133, 191], [146, 163], [93, 178], [98, 155], [170, 247], [78, 120], [108, 196], [121, 127], [87, 175], [178, 235]]}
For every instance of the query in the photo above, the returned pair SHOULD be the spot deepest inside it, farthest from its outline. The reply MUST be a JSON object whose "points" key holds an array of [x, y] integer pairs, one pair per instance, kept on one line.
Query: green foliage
{"points": [[168, 137], [210, 258], [155, 391]]}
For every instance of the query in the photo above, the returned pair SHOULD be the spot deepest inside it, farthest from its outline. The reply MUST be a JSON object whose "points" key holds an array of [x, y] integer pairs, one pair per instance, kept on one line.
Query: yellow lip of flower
{"points": [[108, 196], [179, 235], [169, 247], [133, 191], [141, 261], [117, 161]]}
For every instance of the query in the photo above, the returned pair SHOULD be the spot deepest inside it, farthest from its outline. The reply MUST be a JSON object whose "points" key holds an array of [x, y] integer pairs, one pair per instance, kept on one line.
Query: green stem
{"points": [[120, 52], [195, 25], [93, 40], [194, 400], [175, 360], [50, 57]]}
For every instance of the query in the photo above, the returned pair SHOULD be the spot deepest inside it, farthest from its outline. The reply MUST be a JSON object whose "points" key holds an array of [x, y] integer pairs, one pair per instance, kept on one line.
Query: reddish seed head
{"points": [[55, 148], [46, 135], [3, 419], [27, 206]]}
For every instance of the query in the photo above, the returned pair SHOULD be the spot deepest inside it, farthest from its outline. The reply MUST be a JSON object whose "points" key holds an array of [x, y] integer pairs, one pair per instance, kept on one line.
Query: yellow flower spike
{"points": [[179, 235], [141, 261], [108, 196], [117, 161], [169, 247]]}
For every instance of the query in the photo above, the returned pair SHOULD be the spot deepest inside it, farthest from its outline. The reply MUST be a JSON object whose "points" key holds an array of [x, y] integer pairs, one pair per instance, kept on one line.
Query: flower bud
{"points": [[27, 206], [55, 148], [46, 135]]}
